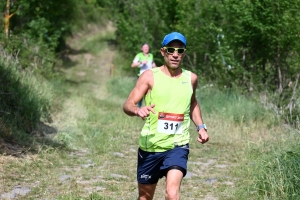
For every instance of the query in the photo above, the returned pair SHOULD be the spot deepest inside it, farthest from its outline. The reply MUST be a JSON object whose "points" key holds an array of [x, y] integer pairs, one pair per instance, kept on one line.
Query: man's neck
{"points": [[171, 72]]}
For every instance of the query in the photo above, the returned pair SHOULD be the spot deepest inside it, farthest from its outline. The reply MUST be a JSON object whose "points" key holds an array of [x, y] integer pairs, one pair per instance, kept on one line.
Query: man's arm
{"points": [[136, 62], [143, 85], [195, 112]]}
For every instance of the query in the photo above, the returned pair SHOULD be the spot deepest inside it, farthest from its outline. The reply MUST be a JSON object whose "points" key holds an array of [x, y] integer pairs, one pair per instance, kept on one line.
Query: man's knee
{"points": [[172, 194]]}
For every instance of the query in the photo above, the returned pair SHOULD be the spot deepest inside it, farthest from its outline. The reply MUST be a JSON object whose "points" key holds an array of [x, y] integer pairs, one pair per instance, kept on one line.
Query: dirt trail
{"points": [[94, 66], [87, 73]]}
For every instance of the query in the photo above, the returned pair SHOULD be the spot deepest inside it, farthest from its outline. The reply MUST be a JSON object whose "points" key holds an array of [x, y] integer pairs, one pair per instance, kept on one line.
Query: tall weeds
{"points": [[25, 99]]}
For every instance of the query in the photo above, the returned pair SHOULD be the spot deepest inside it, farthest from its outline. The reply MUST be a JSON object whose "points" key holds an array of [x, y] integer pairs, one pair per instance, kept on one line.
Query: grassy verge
{"points": [[25, 102]]}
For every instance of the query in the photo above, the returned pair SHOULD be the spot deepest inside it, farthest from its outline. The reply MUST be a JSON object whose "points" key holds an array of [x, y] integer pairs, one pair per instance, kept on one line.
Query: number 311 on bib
{"points": [[170, 123]]}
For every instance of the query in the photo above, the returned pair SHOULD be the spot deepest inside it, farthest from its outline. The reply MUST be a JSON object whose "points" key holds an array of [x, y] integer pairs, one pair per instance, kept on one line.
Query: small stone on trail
{"points": [[18, 190], [211, 180], [118, 154], [118, 176], [65, 178], [87, 165]]}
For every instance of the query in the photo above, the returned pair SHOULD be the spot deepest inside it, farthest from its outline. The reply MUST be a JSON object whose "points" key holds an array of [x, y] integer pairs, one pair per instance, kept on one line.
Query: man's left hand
{"points": [[203, 136]]}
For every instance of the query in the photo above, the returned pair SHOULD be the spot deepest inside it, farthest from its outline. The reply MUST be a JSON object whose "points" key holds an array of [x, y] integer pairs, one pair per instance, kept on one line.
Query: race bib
{"points": [[170, 123]]}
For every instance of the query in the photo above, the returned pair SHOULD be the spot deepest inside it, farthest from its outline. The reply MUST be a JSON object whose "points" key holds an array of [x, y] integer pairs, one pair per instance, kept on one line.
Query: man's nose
{"points": [[175, 54]]}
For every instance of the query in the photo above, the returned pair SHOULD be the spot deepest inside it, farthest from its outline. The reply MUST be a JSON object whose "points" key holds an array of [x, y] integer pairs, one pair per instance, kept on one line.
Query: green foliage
{"points": [[250, 44], [88, 13], [144, 22], [23, 101], [229, 104], [261, 33], [35, 58], [277, 175], [37, 29], [201, 22], [121, 87], [44, 21]]}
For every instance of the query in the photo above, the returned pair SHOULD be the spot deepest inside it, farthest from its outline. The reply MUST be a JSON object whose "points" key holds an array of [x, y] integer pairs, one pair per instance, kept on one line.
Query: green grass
{"points": [[25, 100], [231, 105], [120, 87], [275, 169]]}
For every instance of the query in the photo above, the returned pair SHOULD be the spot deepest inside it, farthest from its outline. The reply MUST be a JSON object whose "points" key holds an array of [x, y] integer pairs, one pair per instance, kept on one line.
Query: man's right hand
{"points": [[144, 111]]}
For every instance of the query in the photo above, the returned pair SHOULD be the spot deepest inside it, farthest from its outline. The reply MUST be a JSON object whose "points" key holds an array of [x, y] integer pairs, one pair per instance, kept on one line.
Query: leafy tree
{"points": [[201, 23], [265, 39], [37, 30], [44, 20], [250, 44], [144, 22]]}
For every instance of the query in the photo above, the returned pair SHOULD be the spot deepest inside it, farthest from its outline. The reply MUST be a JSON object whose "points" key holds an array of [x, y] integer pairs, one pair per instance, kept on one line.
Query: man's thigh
{"points": [[176, 159], [148, 169]]}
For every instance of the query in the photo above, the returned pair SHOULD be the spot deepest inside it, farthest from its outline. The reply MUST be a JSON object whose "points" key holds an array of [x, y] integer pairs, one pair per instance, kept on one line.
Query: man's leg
{"points": [[173, 181], [146, 191]]}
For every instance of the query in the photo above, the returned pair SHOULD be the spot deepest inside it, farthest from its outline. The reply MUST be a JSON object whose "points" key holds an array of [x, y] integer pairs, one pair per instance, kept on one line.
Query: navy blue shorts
{"points": [[154, 165]]}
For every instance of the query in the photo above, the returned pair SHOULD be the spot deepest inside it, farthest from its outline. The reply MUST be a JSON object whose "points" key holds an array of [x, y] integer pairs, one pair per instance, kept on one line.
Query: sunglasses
{"points": [[171, 50]]}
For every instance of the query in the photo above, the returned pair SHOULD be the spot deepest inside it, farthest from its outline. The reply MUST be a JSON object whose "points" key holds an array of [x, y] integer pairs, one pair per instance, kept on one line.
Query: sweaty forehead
{"points": [[176, 43]]}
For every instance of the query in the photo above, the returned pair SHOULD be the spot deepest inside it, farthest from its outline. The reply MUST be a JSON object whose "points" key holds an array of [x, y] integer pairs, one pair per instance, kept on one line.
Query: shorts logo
{"points": [[145, 176]]}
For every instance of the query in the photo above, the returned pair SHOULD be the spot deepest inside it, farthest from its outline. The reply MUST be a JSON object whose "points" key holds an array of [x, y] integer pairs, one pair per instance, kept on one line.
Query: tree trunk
{"points": [[280, 88], [7, 17], [291, 104]]}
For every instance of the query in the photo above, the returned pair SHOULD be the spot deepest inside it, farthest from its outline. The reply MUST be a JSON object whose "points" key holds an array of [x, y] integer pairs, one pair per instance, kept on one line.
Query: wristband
{"points": [[201, 126]]}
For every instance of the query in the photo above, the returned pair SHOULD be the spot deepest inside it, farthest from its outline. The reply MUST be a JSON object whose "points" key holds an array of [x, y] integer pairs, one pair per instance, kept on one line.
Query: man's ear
{"points": [[162, 51]]}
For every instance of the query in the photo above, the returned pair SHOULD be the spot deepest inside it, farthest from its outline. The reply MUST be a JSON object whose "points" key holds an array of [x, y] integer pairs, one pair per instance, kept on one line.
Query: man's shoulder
{"points": [[186, 72], [155, 69], [191, 74], [139, 54], [147, 75]]}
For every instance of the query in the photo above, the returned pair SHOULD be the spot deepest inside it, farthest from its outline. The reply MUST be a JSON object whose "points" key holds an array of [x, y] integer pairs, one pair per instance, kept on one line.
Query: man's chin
{"points": [[174, 66]]}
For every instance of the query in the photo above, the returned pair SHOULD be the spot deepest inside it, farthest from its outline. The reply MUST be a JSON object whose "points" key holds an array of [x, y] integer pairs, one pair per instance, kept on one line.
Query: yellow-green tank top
{"points": [[169, 126]]}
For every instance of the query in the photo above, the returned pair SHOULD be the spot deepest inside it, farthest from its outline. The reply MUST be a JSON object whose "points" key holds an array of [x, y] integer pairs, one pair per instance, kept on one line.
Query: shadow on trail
{"points": [[65, 55], [22, 144], [21, 109], [77, 83], [112, 44]]}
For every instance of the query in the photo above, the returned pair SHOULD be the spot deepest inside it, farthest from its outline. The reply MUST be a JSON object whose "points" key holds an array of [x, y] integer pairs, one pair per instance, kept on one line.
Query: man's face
{"points": [[172, 57], [145, 48]]}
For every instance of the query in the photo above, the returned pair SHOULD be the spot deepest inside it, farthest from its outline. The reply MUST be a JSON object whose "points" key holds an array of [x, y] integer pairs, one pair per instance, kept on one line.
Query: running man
{"points": [[143, 60], [170, 106]]}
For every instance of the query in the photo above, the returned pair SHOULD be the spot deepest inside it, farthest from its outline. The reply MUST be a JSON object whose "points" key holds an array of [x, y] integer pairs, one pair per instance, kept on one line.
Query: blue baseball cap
{"points": [[173, 36]]}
